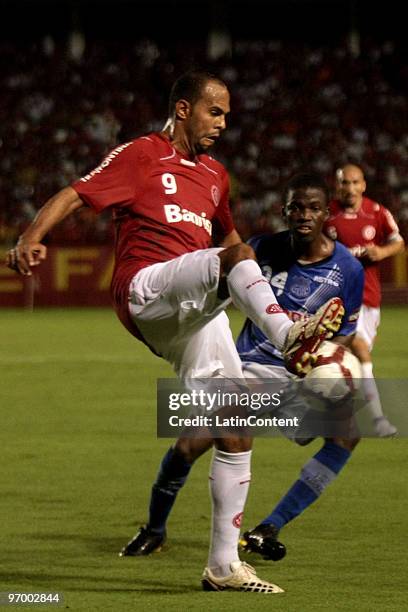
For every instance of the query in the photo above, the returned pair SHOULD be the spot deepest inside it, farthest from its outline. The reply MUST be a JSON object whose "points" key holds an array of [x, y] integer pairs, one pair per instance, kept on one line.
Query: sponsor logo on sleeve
{"points": [[108, 160]]}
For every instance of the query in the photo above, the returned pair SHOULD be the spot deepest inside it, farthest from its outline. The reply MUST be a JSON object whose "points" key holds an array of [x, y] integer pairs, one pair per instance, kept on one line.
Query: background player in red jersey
{"points": [[370, 232], [170, 289]]}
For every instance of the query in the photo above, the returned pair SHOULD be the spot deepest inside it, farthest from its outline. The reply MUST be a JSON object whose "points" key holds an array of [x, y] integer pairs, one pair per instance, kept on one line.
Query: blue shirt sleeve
{"points": [[352, 297]]}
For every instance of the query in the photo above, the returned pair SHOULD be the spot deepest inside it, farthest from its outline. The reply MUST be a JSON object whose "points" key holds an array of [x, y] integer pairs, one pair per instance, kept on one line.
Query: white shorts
{"points": [[176, 308], [262, 372], [251, 369], [367, 324]]}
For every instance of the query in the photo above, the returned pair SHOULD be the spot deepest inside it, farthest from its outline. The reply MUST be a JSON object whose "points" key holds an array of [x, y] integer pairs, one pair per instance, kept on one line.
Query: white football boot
{"points": [[242, 578]]}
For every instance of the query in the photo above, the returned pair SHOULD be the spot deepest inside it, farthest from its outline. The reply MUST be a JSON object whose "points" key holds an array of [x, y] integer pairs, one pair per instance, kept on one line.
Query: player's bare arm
{"points": [[378, 253], [29, 251]]}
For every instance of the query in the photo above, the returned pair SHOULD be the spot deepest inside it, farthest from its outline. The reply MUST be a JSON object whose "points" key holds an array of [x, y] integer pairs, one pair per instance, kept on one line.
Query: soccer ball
{"points": [[336, 375]]}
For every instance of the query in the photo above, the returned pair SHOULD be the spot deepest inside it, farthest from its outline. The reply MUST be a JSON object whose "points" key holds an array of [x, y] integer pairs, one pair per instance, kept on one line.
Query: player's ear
{"points": [[183, 108]]}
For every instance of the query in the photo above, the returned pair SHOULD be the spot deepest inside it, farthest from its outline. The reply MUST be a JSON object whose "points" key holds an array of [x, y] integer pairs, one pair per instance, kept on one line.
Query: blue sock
{"points": [[315, 476], [172, 475]]}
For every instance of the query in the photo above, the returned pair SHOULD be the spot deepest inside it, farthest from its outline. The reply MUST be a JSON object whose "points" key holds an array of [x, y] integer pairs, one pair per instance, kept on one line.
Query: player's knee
{"points": [[361, 349], [185, 450], [347, 443], [189, 449], [231, 256], [234, 444]]}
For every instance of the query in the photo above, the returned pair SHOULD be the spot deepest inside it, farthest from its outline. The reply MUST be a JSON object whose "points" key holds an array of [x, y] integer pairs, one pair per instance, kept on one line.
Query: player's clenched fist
{"points": [[25, 256]]}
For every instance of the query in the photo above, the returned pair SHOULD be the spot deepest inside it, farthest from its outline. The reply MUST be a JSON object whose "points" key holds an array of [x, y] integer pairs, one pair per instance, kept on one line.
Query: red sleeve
{"points": [[114, 181], [223, 216], [389, 226]]}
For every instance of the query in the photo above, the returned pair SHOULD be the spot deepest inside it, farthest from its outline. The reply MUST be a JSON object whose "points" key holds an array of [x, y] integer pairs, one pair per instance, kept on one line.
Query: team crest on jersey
{"points": [[215, 194], [300, 287], [368, 232], [331, 232]]}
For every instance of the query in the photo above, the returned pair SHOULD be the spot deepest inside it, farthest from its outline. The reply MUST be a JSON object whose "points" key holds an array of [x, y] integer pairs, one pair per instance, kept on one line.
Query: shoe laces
{"points": [[247, 569]]}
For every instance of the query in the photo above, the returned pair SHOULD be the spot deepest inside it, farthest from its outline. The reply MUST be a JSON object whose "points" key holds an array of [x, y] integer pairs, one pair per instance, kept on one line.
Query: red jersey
{"points": [[163, 206], [372, 224]]}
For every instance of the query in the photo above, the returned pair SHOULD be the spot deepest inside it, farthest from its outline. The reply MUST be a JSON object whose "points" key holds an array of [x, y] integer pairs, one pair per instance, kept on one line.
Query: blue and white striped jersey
{"points": [[301, 289]]}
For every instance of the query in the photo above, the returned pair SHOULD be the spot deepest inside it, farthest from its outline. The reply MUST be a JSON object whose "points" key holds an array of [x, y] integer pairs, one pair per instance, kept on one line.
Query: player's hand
{"points": [[26, 255], [373, 253], [358, 251]]}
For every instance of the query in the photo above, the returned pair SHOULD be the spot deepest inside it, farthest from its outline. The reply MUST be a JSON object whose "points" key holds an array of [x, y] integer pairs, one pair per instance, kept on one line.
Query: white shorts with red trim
{"points": [[367, 324], [175, 306]]}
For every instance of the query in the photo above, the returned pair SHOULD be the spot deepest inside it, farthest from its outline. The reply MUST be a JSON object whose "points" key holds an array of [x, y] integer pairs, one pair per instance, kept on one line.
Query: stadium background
{"points": [[312, 82]]}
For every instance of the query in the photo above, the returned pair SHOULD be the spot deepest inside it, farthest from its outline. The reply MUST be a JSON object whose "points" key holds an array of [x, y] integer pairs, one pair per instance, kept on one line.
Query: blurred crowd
{"points": [[64, 105]]}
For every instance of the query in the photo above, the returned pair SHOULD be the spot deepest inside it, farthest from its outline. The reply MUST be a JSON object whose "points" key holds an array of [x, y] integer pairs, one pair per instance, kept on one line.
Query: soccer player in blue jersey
{"points": [[305, 268]]}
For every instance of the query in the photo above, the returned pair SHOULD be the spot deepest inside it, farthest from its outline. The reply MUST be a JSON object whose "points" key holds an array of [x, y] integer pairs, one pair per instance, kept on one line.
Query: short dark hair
{"points": [[189, 87], [303, 180]]}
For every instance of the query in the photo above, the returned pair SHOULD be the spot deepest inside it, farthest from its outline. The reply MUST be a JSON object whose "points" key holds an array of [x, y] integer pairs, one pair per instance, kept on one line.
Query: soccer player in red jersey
{"points": [[170, 286], [370, 232]]}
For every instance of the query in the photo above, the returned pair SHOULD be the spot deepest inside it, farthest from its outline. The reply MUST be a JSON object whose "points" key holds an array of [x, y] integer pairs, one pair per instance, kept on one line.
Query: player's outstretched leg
{"points": [[305, 337], [242, 578], [253, 295], [315, 477], [382, 426]]}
